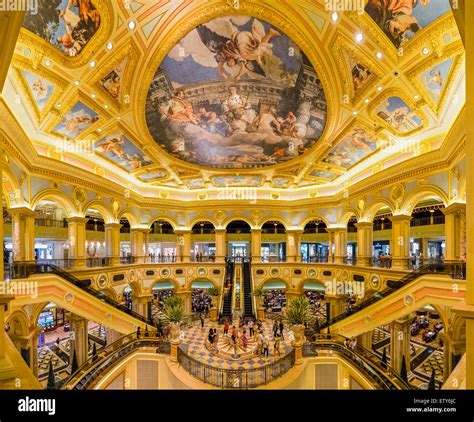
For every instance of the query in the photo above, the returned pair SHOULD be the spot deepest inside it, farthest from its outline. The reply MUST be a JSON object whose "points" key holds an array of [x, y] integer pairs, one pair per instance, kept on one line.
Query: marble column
{"points": [[7, 370], [400, 343], [452, 231], [256, 244], [77, 240], [364, 243], [140, 304], [29, 342], [184, 244], [220, 236], [400, 244], [365, 339], [79, 339], [137, 236], [112, 242], [23, 234], [340, 245]]}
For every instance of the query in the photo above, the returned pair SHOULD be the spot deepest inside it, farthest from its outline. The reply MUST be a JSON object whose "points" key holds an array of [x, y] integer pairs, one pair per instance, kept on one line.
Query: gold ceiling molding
{"points": [[414, 106], [345, 49], [21, 63], [278, 14], [97, 42], [130, 52], [456, 52], [57, 117]]}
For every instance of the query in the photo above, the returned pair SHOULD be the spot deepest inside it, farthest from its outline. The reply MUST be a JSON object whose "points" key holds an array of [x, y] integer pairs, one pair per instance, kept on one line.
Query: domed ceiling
{"points": [[236, 92], [289, 99]]}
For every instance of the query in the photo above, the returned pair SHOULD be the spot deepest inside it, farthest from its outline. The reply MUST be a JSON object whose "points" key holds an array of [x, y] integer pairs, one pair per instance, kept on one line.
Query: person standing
{"points": [[265, 346], [259, 349], [275, 328], [202, 321], [244, 339], [226, 327], [215, 338], [138, 332], [234, 334], [250, 328], [282, 326], [277, 344]]}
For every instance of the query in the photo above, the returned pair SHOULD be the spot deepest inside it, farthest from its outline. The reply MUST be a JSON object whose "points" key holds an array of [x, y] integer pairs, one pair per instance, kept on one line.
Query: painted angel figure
{"points": [[244, 49]]}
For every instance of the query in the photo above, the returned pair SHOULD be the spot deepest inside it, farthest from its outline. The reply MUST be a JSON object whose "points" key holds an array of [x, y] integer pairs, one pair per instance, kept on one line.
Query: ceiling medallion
{"points": [[236, 92]]}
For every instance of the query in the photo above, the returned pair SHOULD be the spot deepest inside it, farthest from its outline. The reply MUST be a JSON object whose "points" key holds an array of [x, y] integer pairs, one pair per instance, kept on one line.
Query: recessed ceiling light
{"points": [[48, 62], [76, 82], [118, 117], [379, 88], [93, 95], [379, 55], [99, 130], [92, 63], [109, 45], [426, 51], [58, 105], [354, 113], [26, 52], [132, 25], [367, 101], [106, 106], [335, 16], [359, 36], [417, 96]]}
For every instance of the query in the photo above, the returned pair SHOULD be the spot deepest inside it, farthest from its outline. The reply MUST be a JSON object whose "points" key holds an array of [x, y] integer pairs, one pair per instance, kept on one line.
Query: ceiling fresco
{"points": [[401, 20], [68, 25], [236, 93], [272, 96]]}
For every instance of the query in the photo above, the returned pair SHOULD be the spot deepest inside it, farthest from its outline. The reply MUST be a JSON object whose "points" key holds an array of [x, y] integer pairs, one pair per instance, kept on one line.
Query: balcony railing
{"points": [[44, 222], [236, 378], [380, 373], [456, 270], [93, 368]]}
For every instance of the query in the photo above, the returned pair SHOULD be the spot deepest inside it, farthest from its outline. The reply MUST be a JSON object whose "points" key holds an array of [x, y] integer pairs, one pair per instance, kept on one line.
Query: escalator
{"points": [[368, 363], [248, 308], [26, 270], [226, 312], [453, 270]]}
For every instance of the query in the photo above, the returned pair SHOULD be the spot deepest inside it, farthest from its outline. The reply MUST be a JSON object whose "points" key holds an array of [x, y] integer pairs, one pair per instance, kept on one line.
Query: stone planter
{"points": [[298, 333], [174, 333]]}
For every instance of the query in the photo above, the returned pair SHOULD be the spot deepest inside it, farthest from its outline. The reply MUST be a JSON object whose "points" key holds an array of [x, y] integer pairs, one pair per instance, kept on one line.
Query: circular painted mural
{"points": [[236, 92]]}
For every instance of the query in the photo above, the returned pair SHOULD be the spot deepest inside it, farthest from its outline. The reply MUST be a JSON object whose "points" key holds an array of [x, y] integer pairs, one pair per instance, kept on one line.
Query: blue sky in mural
{"points": [[41, 88], [184, 69], [394, 103], [118, 148], [432, 11], [435, 79], [76, 120]]}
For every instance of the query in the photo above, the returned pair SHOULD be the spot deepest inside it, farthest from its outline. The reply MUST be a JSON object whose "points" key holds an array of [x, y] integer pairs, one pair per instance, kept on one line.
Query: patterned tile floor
{"points": [[60, 355], [424, 357], [194, 345]]}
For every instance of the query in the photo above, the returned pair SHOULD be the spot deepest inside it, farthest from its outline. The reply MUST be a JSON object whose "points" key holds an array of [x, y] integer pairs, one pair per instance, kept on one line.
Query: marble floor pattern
{"points": [[424, 357], [194, 345]]}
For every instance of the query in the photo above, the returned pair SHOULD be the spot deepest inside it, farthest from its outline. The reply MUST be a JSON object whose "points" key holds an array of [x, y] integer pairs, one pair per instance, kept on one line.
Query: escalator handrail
{"points": [[366, 353], [32, 268], [93, 363], [425, 269], [368, 357]]}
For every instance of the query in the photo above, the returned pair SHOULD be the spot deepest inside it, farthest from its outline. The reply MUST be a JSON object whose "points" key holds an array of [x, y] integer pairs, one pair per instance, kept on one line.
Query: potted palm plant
{"points": [[174, 314], [214, 292], [298, 313], [259, 294]]}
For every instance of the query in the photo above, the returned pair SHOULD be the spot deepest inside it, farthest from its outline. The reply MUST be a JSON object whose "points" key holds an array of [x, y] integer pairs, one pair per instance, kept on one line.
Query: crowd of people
{"points": [[200, 301], [422, 324], [275, 300], [241, 334]]}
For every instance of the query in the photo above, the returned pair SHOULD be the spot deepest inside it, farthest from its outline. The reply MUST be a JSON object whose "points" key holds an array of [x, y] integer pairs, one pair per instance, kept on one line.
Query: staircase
{"points": [[248, 308], [226, 313], [455, 270]]}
